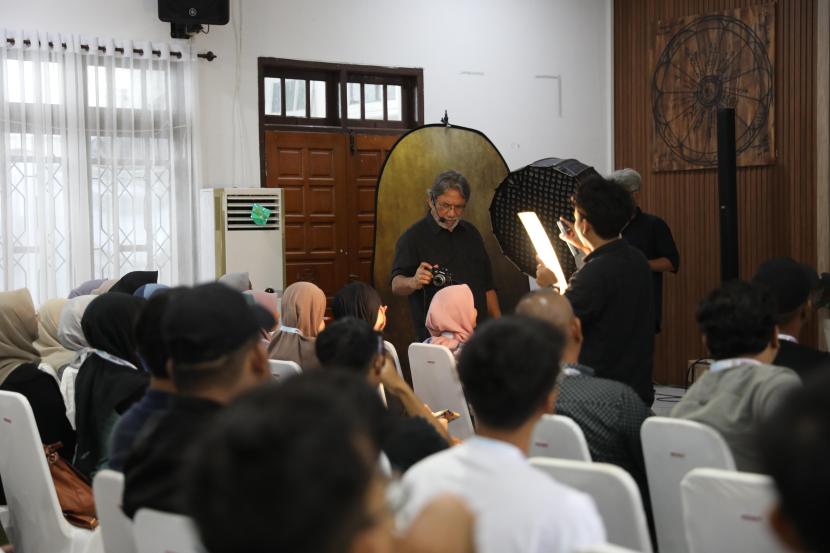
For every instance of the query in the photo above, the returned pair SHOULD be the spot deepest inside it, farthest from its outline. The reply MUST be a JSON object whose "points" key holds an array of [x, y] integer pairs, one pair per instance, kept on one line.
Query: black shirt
{"points": [[612, 296], [651, 235], [461, 251], [804, 360], [153, 471]]}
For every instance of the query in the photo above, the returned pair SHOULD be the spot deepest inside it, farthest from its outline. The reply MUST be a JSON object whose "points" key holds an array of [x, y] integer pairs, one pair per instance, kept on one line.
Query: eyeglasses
{"points": [[445, 207]]}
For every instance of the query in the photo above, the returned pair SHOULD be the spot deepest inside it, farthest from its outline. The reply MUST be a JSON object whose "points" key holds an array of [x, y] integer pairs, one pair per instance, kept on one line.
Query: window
{"points": [[333, 95]]}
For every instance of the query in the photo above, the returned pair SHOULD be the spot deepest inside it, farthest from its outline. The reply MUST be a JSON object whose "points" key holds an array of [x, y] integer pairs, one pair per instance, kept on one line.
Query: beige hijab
{"points": [[18, 329], [303, 308], [51, 350]]}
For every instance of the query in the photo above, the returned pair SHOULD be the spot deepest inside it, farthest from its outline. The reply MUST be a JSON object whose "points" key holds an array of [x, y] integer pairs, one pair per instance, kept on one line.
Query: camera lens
{"points": [[439, 280]]}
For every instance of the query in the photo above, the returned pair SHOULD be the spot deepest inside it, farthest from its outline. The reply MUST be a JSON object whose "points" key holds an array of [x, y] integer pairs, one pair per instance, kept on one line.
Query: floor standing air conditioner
{"points": [[230, 241]]}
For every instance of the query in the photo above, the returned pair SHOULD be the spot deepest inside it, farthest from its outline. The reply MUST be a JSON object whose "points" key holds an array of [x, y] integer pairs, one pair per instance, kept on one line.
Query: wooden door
{"points": [[311, 168], [368, 152]]}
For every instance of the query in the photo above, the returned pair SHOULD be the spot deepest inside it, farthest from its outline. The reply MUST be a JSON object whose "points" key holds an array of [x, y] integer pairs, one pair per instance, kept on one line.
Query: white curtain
{"points": [[96, 161]]}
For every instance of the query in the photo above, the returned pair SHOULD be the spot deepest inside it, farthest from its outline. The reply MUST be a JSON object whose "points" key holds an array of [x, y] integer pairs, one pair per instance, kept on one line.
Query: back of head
{"points": [[795, 448], [547, 305], [238, 281], [18, 331], [508, 369], [737, 319], [134, 280], [629, 179], [109, 324], [303, 307], [349, 344], [605, 204], [86, 288], [287, 468], [790, 282], [359, 300], [70, 331], [152, 353], [452, 310]]}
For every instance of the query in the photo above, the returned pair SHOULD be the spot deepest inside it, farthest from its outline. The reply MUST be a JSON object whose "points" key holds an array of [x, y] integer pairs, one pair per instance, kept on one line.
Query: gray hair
{"points": [[627, 178], [449, 180]]}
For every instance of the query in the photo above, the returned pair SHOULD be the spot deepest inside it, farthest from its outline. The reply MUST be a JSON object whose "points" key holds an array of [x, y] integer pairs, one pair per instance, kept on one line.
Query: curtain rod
{"points": [[210, 56]]}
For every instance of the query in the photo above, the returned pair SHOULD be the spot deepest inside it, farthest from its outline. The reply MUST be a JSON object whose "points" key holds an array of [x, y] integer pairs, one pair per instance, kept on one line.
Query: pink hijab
{"points": [[452, 316], [267, 300]]}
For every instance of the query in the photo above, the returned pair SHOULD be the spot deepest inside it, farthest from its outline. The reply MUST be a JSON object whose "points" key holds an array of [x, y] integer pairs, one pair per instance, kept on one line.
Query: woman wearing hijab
{"points": [[134, 280], [303, 307], [268, 300], [109, 380], [19, 360], [146, 291], [237, 281], [361, 301], [451, 318], [86, 288], [47, 344]]}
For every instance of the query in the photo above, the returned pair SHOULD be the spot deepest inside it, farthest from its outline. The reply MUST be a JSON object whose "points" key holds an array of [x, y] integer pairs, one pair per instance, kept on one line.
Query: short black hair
{"points": [[508, 368], [151, 350], [223, 371], [348, 343], [737, 319], [795, 452], [605, 204], [357, 299], [285, 468], [411, 440]]}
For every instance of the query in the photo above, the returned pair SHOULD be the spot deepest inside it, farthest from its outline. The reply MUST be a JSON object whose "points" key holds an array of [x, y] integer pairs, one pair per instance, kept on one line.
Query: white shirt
{"points": [[518, 509]]}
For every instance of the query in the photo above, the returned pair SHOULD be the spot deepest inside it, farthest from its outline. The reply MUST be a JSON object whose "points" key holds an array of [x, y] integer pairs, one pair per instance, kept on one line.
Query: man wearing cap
{"points": [[792, 283], [651, 235], [212, 336]]}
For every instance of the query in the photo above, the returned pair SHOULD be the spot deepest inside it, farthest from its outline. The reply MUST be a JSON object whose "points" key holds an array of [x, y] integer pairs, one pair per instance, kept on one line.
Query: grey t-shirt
{"points": [[734, 401]]}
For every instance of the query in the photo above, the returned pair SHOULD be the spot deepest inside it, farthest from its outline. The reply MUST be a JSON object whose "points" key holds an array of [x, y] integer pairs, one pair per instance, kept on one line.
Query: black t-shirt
{"points": [[612, 296], [804, 360], [651, 235], [461, 251]]}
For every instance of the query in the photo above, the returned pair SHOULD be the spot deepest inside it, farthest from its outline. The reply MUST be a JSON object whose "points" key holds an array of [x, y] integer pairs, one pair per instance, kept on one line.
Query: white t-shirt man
{"points": [[518, 508]]}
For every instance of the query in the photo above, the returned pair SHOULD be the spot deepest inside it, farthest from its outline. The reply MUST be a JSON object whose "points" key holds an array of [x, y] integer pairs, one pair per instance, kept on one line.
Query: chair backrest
{"points": [[393, 353], [36, 522], [726, 510], [559, 437], [116, 527], [672, 447], [614, 492], [435, 380], [281, 370], [160, 532], [605, 548], [67, 387]]}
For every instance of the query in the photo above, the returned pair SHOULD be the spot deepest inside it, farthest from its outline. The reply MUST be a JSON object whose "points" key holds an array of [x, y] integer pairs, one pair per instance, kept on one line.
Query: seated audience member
{"points": [[47, 344], [147, 291], [509, 370], [268, 457], [134, 280], [238, 281], [105, 287], [110, 380], [795, 450], [303, 308], [153, 358], [211, 336], [350, 344], [70, 332], [19, 360], [609, 413], [792, 284], [86, 288], [359, 300], [411, 440], [269, 302], [742, 388], [451, 318]]}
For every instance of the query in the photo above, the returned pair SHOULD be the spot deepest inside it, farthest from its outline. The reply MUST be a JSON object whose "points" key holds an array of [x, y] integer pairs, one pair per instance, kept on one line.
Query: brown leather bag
{"points": [[73, 489]]}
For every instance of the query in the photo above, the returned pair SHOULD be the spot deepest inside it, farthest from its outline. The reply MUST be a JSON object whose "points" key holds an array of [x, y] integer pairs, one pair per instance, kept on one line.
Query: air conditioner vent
{"points": [[239, 206]]}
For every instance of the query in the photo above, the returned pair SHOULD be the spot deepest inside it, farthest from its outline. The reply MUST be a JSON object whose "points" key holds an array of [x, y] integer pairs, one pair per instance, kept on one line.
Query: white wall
{"points": [[509, 41]]}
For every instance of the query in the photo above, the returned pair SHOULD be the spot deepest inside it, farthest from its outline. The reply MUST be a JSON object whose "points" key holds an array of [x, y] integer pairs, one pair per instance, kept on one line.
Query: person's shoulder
{"points": [[415, 229]]}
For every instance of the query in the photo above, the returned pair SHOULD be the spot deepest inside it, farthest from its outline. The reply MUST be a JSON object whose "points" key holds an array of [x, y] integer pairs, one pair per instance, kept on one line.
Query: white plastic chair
{"points": [[672, 447], [393, 353], [160, 532], [36, 522], [116, 527], [559, 437], [606, 548], [67, 387], [729, 511], [614, 492], [281, 370], [435, 380]]}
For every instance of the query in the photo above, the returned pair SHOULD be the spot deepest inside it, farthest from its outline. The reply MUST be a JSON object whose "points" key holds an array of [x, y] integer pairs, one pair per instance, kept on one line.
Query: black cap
{"points": [[208, 321], [789, 281]]}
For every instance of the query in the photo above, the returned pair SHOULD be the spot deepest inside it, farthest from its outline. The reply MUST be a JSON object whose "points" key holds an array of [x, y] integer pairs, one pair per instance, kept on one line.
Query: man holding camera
{"points": [[443, 249]]}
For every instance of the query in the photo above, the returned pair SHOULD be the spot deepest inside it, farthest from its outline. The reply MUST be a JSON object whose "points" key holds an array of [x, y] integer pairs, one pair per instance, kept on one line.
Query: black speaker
{"points": [[728, 195], [195, 12]]}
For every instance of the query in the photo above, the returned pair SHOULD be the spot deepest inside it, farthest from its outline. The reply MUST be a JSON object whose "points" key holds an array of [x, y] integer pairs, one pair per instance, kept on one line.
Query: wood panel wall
{"points": [[777, 203]]}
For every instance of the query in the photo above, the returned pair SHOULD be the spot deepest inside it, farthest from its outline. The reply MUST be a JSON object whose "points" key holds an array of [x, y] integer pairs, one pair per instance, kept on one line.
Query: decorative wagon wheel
{"points": [[714, 62]]}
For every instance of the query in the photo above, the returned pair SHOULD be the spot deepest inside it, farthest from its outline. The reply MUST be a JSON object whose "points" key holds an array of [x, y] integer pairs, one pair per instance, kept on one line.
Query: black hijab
{"points": [[105, 389], [131, 282], [359, 300]]}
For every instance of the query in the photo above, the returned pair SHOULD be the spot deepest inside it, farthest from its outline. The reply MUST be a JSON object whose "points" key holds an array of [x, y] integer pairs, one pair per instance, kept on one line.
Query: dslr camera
{"points": [[441, 277]]}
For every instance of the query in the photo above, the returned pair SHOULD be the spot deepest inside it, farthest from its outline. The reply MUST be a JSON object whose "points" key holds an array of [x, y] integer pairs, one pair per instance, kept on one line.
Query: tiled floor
{"points": [[665, 397]]}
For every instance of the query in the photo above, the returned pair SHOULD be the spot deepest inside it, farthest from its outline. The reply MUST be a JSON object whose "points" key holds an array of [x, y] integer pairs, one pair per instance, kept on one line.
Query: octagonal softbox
{"points": [[546, 187]]}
